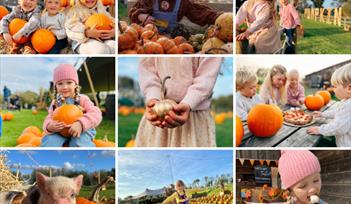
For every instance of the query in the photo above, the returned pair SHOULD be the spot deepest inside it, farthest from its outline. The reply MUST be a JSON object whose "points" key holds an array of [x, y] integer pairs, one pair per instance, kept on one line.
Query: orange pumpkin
{"points": [[108, 2], [314, 102], [151, 27], [131, 143], [25, 145], [35, 141], [104, 143], [265, 120], [129, 52], [137, 28], [16, 25], [68, 114], [34, 112], [219, 118], [81, 200], [186, 48], [99, 21], [3, 11], [179, 40], [168, 46], [43, 40], [7, 116], [127, 39], [326, 96], [64, 3], [239, 134], [24, 138], [33, 129], [149, 35], [152, 48]]}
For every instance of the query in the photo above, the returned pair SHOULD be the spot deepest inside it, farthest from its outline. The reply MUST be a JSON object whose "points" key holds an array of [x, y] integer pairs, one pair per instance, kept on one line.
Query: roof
{"points": [[149, 192], [332, 66]]}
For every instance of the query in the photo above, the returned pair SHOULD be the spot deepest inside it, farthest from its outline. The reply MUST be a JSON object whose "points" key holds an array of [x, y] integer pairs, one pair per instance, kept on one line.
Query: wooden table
{"points": [[287, 136]]}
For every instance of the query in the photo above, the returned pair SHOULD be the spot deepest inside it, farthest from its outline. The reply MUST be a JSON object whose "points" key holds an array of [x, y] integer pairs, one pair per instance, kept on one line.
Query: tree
{"points": [[318, 3]]}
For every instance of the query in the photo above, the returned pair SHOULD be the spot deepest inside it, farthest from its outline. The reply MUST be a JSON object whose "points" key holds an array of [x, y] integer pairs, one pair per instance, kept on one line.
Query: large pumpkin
{"points": [[35, 141], [24, 138], [326, 96], [33, 129], [265, 120], [68, 114], [239, 133], [224, 24], [314, 102], [25, 145], [99, 21], [43, 40], [81, 200], [16, 25], [3, 11], [127, 38]]}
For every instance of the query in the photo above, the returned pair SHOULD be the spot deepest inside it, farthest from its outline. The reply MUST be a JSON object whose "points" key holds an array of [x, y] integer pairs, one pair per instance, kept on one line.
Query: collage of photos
{"points": [[146, 102]]}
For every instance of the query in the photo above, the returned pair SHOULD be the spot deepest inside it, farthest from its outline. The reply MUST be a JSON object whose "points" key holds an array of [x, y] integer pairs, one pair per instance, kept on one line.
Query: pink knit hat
{"points": [[295, 165], [65, 72]]}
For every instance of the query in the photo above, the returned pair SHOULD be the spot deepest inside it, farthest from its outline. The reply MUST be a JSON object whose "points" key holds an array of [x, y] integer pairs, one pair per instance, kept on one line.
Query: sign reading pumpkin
{"points": [[68, 114]]}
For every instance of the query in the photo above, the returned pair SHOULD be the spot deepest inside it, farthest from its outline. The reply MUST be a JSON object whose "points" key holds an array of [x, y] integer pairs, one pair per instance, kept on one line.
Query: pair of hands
{"points": [[314, 130], [243, 36], [75, 129], [100, 34], [174, 118], [10, 39]]}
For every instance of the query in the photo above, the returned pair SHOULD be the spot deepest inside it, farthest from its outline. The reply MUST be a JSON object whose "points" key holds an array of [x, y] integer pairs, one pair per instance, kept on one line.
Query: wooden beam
{"points": [[91, 83]]}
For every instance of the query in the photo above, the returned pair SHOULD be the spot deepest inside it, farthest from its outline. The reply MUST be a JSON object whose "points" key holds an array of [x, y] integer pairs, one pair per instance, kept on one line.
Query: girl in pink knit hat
{"points": [[82, 132], [190, 86], [300, 174]]}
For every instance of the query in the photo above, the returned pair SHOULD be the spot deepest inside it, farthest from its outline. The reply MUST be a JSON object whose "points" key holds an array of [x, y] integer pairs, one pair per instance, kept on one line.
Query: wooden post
{"points": [[340, 16], [90, 83], [329, 15], [335, 15], [321, 14]]}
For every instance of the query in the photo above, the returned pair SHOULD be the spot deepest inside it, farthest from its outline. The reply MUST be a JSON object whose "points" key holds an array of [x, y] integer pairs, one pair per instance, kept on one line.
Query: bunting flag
{"points": [[268, 162], [242, 161], [261, 162], [252, 161]]}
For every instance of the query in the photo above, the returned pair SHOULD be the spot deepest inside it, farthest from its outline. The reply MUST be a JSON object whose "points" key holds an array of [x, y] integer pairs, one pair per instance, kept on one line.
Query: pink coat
{"points": [[295, 95], [289, 17], [91, 118]]}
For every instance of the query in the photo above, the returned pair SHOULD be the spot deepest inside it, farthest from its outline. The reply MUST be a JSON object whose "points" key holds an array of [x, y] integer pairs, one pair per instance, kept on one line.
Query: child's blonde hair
{"points": [[179, 183], [342, 76], [244, 76], [292, 72], [267, 86]]}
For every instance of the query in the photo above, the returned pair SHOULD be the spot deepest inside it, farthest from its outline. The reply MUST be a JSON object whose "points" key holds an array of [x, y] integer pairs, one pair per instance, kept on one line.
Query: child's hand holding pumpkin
{"points": [[8, 38], [17, 36], [178, 116], [56, 126], [76, 129], [150, 115], [94, 33], [108, 34]]}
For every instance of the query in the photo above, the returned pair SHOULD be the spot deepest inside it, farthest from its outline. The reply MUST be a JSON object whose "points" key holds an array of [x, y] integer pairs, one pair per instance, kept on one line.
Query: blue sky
{"points": [[139, 170], [68, 159], [128, 66]]}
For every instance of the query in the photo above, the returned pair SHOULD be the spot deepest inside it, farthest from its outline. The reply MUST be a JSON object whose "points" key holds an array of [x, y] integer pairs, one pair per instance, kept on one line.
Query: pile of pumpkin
{"points": [[265, 120], [127, 110], [221, 117], [136, 39], [7, 116]]}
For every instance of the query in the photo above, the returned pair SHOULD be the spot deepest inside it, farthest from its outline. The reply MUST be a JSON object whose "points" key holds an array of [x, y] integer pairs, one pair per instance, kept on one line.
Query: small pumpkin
{"points": [[239, 134], [137, 28], [3, 11], [152, 48], [314, 102], [67, 113], [35, 141], [131, 143], [24, 138], [104, 143], [108, 2], [43, 40], [8, 116], [32, 129], [169, 46], [326, 96], [265, 120], [129, 52], [34, 112], [219, 118], [186, 48], [124, 110], [81, 200], [162, 107], [224, 24], [149, 35], [127, 38], [16, 25], [25, 145], [179, 40], [151, 27], [99, 21]]}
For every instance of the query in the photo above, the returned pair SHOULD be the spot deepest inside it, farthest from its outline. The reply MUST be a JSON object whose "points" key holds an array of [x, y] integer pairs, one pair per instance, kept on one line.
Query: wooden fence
{"points": [[329, 16]]}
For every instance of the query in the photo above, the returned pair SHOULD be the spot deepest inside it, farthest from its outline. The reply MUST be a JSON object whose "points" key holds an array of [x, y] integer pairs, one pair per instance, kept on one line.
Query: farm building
{"points": [[256, 168], [321, 78], [148, 196]]}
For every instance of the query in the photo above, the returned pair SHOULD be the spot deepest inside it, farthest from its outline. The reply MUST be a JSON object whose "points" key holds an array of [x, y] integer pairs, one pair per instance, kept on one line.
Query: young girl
{"points": [[172, 11], [262, 32], [273, 89], [54, 20], [300, 174], [190, 86], [89, 41], [340, 126], [289, 20], [295, 91], [180, 194], [29, 11], [246, 97], [67, 91]]}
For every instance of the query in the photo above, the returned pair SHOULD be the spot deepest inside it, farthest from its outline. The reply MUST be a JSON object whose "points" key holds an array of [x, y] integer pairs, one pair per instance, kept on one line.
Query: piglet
{"points": [[58, 190]]}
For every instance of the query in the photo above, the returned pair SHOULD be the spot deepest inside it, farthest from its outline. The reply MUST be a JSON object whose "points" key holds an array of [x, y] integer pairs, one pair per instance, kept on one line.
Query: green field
{"points": [[322, 38], [128, 126], [86, 191], [22, 119], [209, 191]]}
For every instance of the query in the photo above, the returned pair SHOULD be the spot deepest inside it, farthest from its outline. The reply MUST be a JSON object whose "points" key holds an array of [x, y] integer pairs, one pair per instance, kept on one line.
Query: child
{"points": [[295, 91], [89, 41], [27, 10], [54, 20], [273, 89], [172, 11], [67, 90], [180, 194], [246, 97], [340, 126], [289, 20], [300, 174], [262, 30], [190, 86]]}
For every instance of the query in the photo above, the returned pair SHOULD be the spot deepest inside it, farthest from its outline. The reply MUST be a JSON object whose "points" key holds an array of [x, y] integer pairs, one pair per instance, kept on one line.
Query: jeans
{"points": [[59, 45], [290, 47], [57, 140]]}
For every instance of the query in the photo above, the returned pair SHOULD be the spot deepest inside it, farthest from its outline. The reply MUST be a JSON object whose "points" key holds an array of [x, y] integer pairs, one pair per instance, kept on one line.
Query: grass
{"points": [[122, 11], [128, 126], [322, 38], [86, 191], [22, 119]]}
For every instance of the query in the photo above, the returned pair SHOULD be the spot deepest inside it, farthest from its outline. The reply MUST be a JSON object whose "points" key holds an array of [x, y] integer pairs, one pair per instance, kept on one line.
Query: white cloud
{"points": [[68, 166], [108, 153]]}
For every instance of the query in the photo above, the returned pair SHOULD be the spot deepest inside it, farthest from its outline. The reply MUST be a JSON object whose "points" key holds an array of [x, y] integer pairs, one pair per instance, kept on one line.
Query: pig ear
{"points": [[79, 181], [41, 180]]}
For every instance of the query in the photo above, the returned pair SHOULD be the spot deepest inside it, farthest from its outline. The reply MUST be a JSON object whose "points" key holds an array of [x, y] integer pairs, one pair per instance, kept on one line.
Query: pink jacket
{"points": [[91, 118], [289, 17], [192, 79], [295, 95]]}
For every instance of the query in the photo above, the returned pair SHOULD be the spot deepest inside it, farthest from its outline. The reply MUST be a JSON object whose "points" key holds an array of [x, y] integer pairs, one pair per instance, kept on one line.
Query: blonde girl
{"points": [[273, 89], [180, 194], [89, 41], [295, 91]]}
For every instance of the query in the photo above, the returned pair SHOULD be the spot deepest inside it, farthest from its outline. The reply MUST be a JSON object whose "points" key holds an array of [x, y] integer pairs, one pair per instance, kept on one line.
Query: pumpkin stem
{"points": [[95, 196], [120, 27], [163, 88], [105, 138]]}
